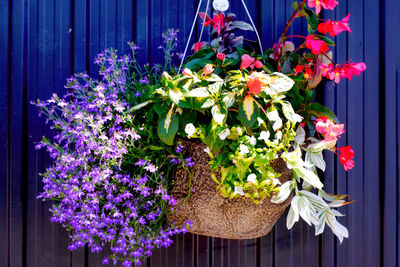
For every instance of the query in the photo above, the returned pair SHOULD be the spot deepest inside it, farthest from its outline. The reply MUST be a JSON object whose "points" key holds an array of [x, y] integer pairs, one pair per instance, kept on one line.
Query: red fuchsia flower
{"points": [[208, 69], [327, 4], [335, 27], [317, 46], [328, 128], [346, 157], [221, 56], [250, 62], [216, 22], [198, 46]]}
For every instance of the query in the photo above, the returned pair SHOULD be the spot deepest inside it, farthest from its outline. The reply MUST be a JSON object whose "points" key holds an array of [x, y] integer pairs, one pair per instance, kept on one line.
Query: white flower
{"points": [[252, 178], [264, 135], [253, 140], [221, 5], [300, 135], [190, 129], [224, 134], [278, 135], [275, 181], [244, 149], [239, 190], [207, 150]]}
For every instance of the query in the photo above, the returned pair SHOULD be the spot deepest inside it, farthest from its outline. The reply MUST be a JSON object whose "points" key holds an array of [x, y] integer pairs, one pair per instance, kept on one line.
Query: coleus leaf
{"points": [[168, 126], [242, 25], [248, 111]]}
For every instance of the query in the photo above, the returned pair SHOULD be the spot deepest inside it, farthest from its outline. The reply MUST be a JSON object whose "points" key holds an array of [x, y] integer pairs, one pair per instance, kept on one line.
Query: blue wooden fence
{"points": [[42, 42]]}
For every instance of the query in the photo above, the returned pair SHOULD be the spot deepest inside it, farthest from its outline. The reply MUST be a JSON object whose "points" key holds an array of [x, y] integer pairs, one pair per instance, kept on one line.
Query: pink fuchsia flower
{"points": [[346, 157], [326, 4], [354, 69], [258, 64], [328, 128], [335, 27], [198, 46], [216, 22], [208, 69], [317, 46], [221, 56], [250, 62]]}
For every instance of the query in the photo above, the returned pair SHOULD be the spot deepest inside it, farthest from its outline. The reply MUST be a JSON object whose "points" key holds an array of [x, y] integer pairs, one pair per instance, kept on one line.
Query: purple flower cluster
{"points": [[100, 202]]}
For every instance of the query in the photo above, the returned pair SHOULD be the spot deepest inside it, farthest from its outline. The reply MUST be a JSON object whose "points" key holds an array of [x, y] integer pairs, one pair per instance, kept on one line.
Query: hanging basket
{"points": [[212, 214]]}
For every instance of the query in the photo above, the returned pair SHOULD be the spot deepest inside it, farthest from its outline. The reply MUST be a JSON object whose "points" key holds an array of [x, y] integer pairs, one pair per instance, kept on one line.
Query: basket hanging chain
{"points": [[202, 29], [202, 25], [190, 36], [254, 27]]}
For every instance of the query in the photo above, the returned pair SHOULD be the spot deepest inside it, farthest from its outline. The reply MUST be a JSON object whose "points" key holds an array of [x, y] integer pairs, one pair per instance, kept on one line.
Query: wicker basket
{"points": [[216, 216]]}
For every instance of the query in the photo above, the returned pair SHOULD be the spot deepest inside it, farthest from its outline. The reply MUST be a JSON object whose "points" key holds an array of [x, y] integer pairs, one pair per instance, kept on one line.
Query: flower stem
{"points": [[291, 19]]}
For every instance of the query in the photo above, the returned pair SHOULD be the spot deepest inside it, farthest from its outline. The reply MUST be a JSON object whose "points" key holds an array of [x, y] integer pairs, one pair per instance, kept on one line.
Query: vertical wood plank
{"points": [[4, 126], [15, 220], [390, 69]]}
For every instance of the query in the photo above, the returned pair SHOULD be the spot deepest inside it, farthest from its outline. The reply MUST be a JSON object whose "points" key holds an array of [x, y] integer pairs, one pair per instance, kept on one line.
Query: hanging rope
{"points": [[254, 27], [190, 36]]}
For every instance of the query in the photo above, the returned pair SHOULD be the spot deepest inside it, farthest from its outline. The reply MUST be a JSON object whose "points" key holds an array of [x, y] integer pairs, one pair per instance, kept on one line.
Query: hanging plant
{"points": [[221, 148]]}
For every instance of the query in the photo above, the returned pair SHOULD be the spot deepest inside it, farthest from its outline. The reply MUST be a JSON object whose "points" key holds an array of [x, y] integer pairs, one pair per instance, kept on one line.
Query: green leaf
{"points": [[295, 5], [319, 110], [312, 20], [284, 192], [289, 112], [139, 106], [198, 63], [175, 95], [308, 176], [200, 92], [326, 39], [218, 114], [248, 111], [167, 127], [156, 148], [242, 25]]}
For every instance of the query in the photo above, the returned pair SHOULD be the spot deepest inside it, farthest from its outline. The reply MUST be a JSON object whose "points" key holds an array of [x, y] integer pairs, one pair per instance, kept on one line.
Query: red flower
{"points": [[346, 157], [317, 46], [187, 72], [298, 69], [221, 56], [327, 4], [216, 22], [197, 46], [308, 72], [335, 27]]}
